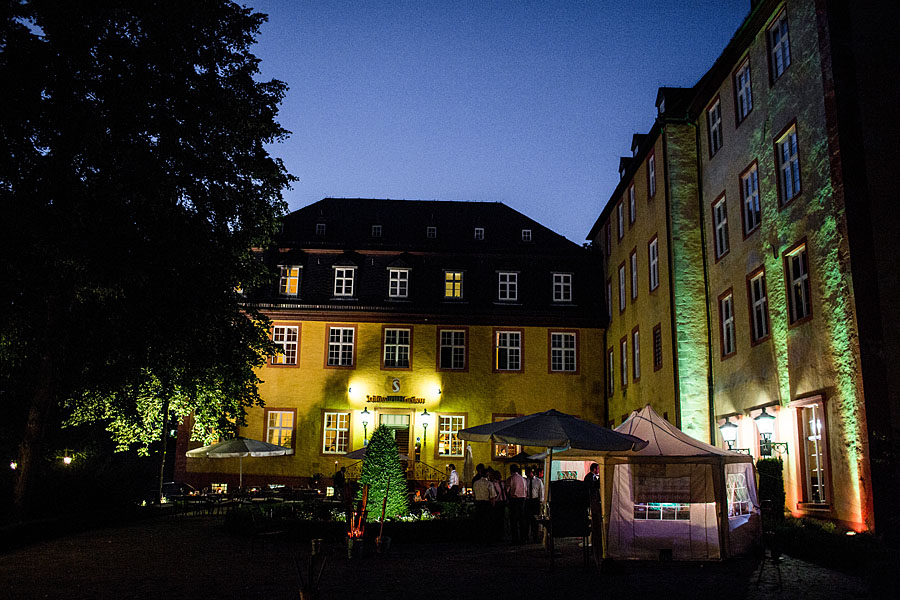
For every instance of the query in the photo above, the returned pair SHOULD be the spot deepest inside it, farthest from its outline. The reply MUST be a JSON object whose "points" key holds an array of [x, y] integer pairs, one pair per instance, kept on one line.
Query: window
{"points": [[320, 228], [620, 213], [337, 433], [340, 346], [452, 353], [376, 231], [759, 308], [788, 158], [610, 372], [726, 323], [453, 284], [797, 270], [743, 91], [343, 281], [622, 287], [449, 427], [634, 274], [431, 232], [563, 352], [720, 225], [526, 235], [396, 348], [505, 450], [508, 287], [623, 357], [750, 199], [779, 47], [657, 347], [289, 282], [738, 495], [813, 450], [651, 176], [632, 205], [636, 354], [286, 338], [479, 233], [280, 427], [662, 511], [714, 126], [507, 350], [653, 259], [562, 287], [398, 283]]}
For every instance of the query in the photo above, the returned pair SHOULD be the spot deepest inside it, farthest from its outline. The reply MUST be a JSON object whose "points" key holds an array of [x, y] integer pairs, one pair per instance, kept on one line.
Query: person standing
{"points": [[453, 481], [485, 494], [339, 482], [500, 502], [533, 498], [517, 492]]}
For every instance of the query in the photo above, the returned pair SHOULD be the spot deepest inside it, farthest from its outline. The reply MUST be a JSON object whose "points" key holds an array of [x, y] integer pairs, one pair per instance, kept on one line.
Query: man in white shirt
{"points": [[454, 480], [485, 493], [534, 495], [516, 491]]}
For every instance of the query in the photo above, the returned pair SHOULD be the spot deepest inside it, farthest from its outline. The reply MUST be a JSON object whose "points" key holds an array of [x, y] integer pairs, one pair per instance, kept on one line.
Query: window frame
{"points": [[611, 372], [341, 344], [636, 354], [495, 362], [653, 270], [337, 451], [781, 181], [320, 229], [724, 325], [344, 278], [384, 347], [622, 287], [376, 231], [283, 278], [272, 335], [651, 175], [479, 233], [511, 286], [752, 168], [453, 283], [265, 423], [465, 347], [819, 401], [564, 285], [400, 282], [751, 301], [744, 65], [790, 281], [632, 205], [623, 361], [771, 47], [437, 434], [514, 448], [431, 232], [657, 336], [575, 350], [633, 263], [721, 235], [609, 308], [526, 235], [714, 128], [620, 216]]}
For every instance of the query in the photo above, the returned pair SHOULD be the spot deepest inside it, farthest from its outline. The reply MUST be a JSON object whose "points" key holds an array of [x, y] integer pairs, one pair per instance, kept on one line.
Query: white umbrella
{"points": [[238, 448], [468, 466]]}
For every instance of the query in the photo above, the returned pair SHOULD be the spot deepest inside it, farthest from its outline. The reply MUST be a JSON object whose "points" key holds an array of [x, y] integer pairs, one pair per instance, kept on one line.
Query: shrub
{"points": [[771, 488], [381, 466]]}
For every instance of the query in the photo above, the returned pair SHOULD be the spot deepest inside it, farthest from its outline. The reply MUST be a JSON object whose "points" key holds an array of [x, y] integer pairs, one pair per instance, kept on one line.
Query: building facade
{"points": [[768, 250], [423, 317]]}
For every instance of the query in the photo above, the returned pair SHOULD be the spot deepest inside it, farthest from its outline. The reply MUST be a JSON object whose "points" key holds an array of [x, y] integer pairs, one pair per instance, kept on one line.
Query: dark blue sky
{"points": [[526, 103]]}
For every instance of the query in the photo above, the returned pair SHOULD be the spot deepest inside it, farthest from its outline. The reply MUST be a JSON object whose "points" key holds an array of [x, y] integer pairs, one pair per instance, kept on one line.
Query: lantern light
{"points": [[765, 423], [729, 432]]}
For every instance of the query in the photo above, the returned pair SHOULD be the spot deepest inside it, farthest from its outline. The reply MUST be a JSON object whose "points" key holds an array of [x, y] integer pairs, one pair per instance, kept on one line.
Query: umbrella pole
{"points": [[241, 472]]}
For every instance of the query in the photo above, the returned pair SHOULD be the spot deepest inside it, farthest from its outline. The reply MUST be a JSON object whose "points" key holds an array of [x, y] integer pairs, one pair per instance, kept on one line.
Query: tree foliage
{"points": [[380, 466], [134, 181]]}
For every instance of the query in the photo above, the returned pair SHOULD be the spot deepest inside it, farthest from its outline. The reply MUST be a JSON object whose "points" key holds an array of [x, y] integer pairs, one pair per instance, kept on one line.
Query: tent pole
{"points": [[241, 472]]}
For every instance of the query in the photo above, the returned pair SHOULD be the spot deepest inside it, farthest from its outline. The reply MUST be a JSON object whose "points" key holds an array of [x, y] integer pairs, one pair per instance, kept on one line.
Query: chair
{"points": [[569, 503]]}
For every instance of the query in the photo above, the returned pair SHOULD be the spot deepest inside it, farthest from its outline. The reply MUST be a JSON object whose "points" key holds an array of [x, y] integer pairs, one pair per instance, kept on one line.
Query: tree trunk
{"points": [[31, 448], [165, 443]]}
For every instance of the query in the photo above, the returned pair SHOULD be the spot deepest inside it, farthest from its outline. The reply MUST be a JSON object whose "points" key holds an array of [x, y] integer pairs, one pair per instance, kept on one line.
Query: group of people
{"points": [[519, 496]]}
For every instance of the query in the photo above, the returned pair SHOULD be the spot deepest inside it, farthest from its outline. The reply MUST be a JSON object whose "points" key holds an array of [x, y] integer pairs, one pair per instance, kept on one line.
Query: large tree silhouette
{"points": [[134, 181]]}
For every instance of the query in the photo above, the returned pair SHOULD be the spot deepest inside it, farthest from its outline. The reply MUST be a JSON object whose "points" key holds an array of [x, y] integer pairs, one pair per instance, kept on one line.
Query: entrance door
{"points": [[398, 425]]}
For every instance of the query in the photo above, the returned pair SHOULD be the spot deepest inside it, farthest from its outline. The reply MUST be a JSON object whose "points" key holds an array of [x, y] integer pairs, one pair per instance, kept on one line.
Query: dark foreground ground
{"points": [[193, 558]]}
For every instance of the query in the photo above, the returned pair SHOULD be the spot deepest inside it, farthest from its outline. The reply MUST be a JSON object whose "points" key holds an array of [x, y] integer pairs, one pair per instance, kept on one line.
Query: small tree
{"points": [[771, 487], [380, 466]]}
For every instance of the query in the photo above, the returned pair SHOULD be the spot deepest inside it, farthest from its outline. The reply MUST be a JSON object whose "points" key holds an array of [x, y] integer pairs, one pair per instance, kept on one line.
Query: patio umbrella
{"points": [[468, 466], [238, 448], [360, 454]]}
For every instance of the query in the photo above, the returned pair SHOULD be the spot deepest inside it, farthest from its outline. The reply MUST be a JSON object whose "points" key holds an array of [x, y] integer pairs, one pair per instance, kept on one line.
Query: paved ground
{"points": [[194, 558]]}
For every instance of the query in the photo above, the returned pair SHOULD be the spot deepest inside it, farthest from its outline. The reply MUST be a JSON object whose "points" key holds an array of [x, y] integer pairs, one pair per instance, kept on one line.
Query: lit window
{"points": [[726, 323], [343, 281], [453, 284], [788, 166], [449, 427], [622, 287], [562, 287], [508, 287], [750, 199], [396, 348], [743, 90], [505, 450], [508, 351], [813, 450], [798, 279], [398, 283], [759, 307], [720, 223], [376, 231], [714, 126], [453, 349], [623, 357], [662, 511], [632, 204], [320, 228], [526, 235], [738, 495], [779, 46], [657, 348], [610, 372], [563, 356], [634, 274], [651, 175], [280, 427], [337, 433], [431, 232], [620, 213], [653, 259], [340, 346], [289, 282], [636, 354], [286, 338], [479, 233]]}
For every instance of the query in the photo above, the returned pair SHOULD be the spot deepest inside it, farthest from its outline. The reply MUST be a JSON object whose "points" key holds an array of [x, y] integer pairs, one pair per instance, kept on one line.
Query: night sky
{"points": [[526, 103]]}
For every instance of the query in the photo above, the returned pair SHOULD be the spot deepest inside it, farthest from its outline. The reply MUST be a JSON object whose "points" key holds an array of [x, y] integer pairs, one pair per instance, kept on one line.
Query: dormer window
{"points": [[289, 280], [376, 231], [431, 232], [320, 228], [526, 235], [343, 281], [479, 233]]}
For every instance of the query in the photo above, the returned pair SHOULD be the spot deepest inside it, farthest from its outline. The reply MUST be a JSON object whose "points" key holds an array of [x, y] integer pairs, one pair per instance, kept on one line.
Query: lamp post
{"points": [[765, 423], [425, 416], [365, 422], [729, 432]]}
